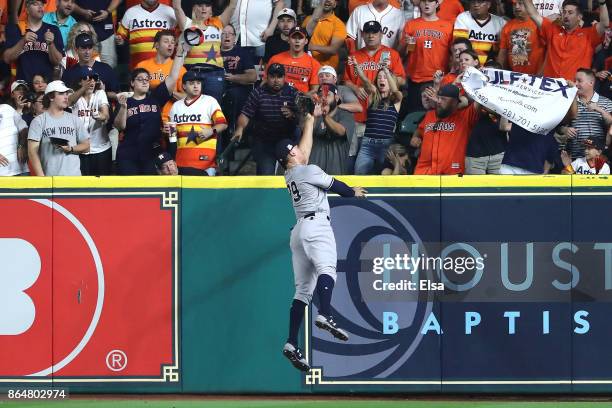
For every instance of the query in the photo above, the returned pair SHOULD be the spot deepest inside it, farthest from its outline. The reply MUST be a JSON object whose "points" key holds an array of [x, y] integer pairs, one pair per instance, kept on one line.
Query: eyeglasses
{"points": [[143, 80]]}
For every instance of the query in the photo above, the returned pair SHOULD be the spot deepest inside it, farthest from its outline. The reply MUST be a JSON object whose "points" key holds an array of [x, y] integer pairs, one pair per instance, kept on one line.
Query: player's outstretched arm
{"points": [[344, 190], [305, 144]]}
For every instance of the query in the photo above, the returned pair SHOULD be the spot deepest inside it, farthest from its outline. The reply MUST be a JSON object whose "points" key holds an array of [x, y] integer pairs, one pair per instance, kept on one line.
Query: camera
{"points": [[29, 97], [304, 104]]}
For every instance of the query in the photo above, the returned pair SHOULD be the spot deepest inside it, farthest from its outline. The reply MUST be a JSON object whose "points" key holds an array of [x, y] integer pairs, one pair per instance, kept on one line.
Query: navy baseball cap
{"points": [[450, 91], [298, 30], [282, 149], [191, 75], [593, 143], [84, 40], [372, 27], [88, 72], [276, 70], [162, 158]]}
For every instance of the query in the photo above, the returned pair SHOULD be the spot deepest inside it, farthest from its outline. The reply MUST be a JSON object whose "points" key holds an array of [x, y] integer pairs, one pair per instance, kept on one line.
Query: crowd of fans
{"points": [[138, 87]]}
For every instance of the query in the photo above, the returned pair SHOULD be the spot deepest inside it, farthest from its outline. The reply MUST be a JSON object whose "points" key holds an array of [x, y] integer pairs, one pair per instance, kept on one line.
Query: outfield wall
{"points": [[170, 284]]}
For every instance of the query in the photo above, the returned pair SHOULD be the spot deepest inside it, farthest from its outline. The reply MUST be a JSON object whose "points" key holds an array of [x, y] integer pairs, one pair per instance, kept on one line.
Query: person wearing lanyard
{"points": [[139, 116]]}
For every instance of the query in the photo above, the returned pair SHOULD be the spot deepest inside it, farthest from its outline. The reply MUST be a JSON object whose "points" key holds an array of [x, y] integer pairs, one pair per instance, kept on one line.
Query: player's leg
{"points": [[321, 250], [304, 286]]}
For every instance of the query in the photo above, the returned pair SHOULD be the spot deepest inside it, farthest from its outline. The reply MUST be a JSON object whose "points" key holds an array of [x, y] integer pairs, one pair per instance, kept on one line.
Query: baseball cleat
{"points": [[294, 354], [327, 323]]}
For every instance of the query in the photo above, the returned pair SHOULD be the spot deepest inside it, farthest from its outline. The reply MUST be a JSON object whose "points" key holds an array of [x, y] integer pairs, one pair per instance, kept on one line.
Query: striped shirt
{"points": [[589, 124], [139, 26], [263, 108], [381, 122], [484, 37]]}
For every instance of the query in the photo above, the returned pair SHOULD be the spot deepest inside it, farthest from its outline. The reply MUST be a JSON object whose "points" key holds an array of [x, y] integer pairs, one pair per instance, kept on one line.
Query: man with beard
{"points": [[272, 110], [327, 33], [570, 46], [61, 18], [443, 134], [279, 42]]}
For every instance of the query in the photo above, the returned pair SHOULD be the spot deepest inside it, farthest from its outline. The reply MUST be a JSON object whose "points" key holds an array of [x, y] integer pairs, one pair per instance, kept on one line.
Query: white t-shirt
{"points": [[10, 126], [98, 133], [250, 19], [391, 19], [581, 166], [547, 7]]}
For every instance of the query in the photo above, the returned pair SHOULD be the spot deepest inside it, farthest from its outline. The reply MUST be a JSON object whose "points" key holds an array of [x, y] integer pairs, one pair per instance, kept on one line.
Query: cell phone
{"points": [[385, 55], [58, 141]]}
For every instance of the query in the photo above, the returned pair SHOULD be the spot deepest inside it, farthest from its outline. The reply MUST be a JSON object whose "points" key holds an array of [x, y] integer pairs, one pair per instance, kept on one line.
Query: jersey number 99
{"points": [[293, 190]]}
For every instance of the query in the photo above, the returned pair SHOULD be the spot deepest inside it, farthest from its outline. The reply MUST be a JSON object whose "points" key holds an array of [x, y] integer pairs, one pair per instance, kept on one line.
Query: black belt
{"points": [[312, 215]]}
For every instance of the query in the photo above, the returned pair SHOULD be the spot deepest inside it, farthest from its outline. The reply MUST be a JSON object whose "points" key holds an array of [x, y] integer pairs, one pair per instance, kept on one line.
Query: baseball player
{"points": [[313, 246]]}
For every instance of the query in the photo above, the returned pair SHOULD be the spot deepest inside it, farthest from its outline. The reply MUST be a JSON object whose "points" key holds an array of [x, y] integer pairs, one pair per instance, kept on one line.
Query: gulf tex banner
{"points": [[536, 104]]}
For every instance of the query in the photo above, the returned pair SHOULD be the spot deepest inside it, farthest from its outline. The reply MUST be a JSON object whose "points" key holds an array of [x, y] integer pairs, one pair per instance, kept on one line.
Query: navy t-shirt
{"points": [[528, 150], [104, 28], [486, 139], [71, 76], [236, 61], [143, 125], [35, 58]]}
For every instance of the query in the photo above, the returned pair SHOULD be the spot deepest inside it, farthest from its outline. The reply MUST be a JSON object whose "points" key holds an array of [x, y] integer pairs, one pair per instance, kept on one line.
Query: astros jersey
{"points": [[308, 185], [159, 72], [139, 27], [433, 39], [483, 37], [301, 72], [391, 19], [191, 118], [581, 166], [547, 7], [209, 52], [445, 141]]}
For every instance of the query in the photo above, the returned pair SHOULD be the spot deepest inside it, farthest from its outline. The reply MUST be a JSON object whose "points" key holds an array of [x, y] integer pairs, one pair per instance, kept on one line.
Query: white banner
{"points": [[536, 104]]}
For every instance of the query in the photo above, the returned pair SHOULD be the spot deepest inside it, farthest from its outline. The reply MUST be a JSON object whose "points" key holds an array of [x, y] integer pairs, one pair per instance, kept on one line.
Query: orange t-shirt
{"points": [[325, 31], [300, 73], [445, 141], [370, 65], [353, 4], [158, 73], [450, 79], [450, 9], [130, 3], [524, 46], [568, 51], [433, 40]]}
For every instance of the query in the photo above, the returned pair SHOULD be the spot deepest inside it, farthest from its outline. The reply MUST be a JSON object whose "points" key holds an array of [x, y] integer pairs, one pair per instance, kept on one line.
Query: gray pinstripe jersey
{"points": [[308, 185]]}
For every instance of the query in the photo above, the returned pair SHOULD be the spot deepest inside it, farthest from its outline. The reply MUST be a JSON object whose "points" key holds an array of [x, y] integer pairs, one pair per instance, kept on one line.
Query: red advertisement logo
{"points": [[88, 289]]}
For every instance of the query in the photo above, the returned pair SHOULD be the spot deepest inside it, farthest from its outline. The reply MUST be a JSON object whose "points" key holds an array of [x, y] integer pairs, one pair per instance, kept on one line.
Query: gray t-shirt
{"points": [[68, 127], [346, 94], [308, 185]]}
